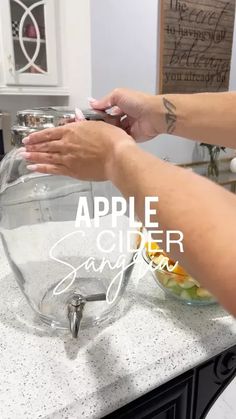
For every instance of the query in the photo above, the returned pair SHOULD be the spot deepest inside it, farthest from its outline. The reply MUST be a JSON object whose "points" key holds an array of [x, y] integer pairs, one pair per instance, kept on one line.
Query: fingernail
{"points": [[91, 100], [113, 111], [25, 140], [79, 116], [32, 167], [25, 155]]}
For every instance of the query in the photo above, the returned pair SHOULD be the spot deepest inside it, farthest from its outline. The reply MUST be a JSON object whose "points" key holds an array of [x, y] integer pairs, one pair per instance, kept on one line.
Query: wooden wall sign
{"points": [[196, 45]]}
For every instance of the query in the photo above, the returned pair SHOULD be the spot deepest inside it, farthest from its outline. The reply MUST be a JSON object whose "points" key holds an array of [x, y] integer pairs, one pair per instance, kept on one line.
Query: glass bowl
{"points": [[182, 287]]}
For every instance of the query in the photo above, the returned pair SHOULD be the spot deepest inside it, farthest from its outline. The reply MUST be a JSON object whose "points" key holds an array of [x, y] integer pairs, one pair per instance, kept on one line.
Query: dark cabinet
{"points": [[188, 396], [170, 402]]}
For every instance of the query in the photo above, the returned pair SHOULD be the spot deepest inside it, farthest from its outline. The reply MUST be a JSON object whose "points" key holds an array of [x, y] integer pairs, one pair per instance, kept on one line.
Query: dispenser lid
{"points": [[44, 117], [41, 118]]}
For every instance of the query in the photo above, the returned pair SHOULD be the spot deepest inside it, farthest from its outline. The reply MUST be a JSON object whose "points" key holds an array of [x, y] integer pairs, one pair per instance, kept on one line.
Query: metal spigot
{"points": [[75, 313], [76, 308]]}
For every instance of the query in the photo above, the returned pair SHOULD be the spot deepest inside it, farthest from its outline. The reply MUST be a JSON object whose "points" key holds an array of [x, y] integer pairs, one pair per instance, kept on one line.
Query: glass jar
{"points": [[67, 278]]}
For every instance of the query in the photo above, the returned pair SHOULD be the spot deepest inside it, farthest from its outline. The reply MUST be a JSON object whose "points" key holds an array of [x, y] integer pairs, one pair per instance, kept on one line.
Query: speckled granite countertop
{"points": [[54, 377]]}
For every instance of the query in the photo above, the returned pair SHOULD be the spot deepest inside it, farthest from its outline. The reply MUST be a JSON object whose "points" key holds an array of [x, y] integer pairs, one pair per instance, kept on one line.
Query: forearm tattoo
{"points": [[171, 116]]}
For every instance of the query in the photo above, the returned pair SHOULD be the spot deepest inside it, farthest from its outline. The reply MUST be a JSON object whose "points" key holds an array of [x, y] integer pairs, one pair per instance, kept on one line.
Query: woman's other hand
{"points": [[140, 113]]}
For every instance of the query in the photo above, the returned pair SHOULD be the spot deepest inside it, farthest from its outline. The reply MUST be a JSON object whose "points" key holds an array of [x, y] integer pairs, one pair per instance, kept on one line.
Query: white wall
{"points": [[124, 54], [75, 35], [123, 44]]}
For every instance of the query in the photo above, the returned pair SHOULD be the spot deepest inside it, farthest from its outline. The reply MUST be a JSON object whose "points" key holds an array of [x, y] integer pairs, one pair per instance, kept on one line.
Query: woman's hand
{"points": [[141, 114], [82, 150]]}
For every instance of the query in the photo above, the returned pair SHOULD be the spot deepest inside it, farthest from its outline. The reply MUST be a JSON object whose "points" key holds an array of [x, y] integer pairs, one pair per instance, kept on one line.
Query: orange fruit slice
{"points": [[151, 247], [152, 250], [180, 271]]}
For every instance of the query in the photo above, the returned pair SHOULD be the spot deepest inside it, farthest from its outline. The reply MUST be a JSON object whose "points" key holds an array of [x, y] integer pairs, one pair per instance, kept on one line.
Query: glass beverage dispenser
{"points": [[66, 278]]}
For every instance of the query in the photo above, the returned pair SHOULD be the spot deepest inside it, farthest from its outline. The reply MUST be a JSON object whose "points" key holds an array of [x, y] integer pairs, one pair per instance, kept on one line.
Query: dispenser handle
{"points": [[96, 297]]}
